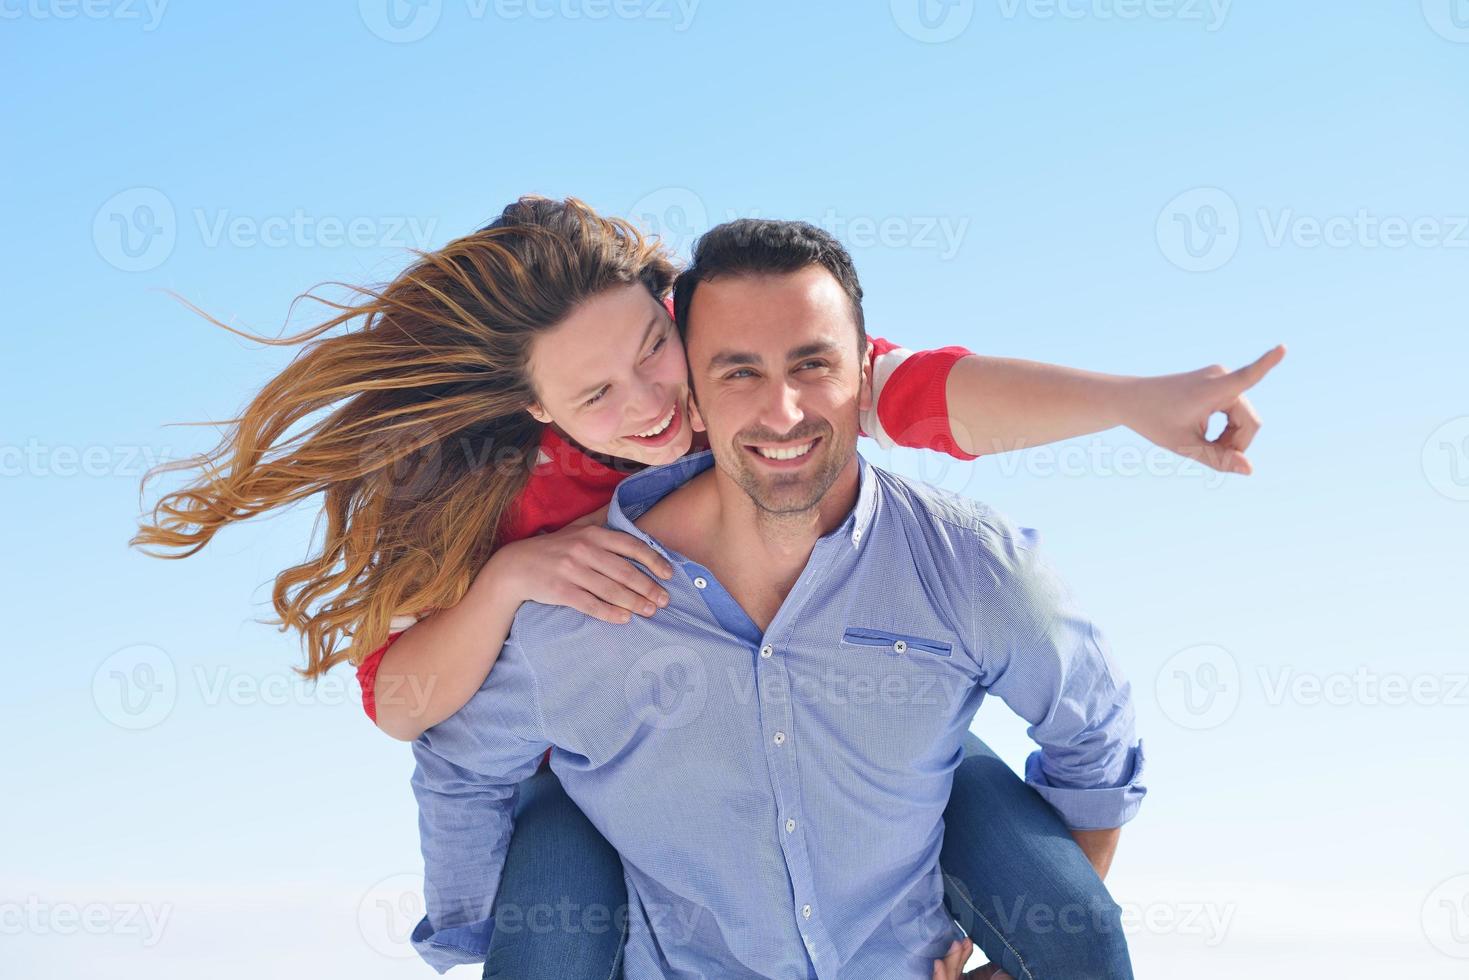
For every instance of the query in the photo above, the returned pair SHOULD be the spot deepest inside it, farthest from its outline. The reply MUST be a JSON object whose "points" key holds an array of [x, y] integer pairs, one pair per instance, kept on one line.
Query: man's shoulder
{"points": [[671, 519], [544, 618], [545, 629], [980, 550], [961, 515]]}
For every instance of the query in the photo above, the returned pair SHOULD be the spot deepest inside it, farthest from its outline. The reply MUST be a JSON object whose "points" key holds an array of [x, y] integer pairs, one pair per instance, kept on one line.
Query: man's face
{"points": [[778, 382]]}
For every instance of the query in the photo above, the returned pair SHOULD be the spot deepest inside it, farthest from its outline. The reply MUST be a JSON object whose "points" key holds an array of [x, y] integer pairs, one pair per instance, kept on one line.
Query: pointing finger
{"points": [[1251, 374]]}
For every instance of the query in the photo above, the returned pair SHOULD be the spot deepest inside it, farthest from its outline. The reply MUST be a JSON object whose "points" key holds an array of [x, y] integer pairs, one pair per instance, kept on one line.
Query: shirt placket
{"points": [[776, 716], [773, 673]]}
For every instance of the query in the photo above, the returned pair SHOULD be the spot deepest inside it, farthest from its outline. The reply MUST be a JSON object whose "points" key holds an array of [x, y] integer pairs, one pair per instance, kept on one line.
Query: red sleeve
{"points": [[367, 676], [910, 395]]}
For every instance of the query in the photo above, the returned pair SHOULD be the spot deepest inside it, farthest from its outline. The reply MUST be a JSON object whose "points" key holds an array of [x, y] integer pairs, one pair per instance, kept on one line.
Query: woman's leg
{"points": [[1018, 884], [561, 912]]}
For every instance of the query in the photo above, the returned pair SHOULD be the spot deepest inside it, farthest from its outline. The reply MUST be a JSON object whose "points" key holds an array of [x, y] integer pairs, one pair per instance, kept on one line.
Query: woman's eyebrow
{"points": [[653, 322]]}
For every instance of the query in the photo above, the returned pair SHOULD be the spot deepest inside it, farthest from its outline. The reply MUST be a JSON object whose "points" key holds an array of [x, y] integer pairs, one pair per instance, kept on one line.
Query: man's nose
{"points": [[781, 408]]}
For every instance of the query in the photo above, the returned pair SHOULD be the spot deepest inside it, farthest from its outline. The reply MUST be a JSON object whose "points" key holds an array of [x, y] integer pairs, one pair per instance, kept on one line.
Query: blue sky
{"points": [[1125, 186]]}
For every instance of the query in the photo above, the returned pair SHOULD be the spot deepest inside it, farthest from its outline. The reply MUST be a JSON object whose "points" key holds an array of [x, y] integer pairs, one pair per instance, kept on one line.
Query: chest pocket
{"points": [[895, 643]]}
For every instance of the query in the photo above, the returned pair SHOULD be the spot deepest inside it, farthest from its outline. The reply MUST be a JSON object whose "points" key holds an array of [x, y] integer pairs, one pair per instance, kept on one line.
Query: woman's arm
{"points": [[434, 668], [999, 404]]}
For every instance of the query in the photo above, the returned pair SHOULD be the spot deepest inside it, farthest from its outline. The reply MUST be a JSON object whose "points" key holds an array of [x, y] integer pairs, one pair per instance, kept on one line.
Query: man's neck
{"points": [[759, 538], [755, 554]]}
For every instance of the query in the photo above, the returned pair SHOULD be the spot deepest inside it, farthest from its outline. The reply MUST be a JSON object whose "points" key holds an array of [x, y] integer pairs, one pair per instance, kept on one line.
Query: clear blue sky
{"points": [[1122, 186]]}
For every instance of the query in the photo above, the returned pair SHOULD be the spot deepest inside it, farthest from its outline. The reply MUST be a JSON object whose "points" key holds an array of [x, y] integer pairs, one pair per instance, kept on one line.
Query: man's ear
{"points": [[538, 413], [864, 396], [695, 419]]}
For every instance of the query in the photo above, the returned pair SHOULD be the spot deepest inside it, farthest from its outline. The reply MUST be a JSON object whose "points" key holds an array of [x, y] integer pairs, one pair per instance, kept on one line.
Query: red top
{"points": [[911, 409]]}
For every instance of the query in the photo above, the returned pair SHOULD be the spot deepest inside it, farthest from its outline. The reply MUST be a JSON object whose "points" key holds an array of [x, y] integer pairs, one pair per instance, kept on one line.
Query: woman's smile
{"points": [[662, 431]]}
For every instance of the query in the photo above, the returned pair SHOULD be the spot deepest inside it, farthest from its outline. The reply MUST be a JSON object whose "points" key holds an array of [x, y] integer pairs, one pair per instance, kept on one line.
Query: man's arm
{"points": [[1050, 665], [468, 769], [1099, 846]]}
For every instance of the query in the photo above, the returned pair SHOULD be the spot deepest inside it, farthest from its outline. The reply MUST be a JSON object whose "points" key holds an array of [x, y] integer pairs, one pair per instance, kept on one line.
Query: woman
{"points": [[465, 440]]}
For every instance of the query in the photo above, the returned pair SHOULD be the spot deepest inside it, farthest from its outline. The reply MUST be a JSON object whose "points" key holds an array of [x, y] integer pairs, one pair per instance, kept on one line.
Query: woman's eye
{"points": [[597, 397], [658, 346]]}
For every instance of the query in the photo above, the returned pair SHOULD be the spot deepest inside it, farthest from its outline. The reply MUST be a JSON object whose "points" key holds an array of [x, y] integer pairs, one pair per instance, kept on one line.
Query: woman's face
{"points": [[612, 376]]}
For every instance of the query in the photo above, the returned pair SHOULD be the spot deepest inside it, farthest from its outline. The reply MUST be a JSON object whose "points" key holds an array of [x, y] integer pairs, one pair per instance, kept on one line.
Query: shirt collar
{"points": [[637, 494]]}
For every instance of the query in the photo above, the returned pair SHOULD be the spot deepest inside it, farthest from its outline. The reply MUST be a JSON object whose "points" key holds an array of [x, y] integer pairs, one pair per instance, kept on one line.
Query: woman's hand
{"points": [[951, 967], [586, 567], [1173, 411]]}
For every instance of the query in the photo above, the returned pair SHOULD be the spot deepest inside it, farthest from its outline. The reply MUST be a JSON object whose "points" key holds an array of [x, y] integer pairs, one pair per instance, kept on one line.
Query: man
{"points": [[772, 753]]}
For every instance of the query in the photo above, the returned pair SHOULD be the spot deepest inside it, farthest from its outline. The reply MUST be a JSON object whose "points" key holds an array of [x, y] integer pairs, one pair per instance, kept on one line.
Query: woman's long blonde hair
{"points": [[425, 442]]}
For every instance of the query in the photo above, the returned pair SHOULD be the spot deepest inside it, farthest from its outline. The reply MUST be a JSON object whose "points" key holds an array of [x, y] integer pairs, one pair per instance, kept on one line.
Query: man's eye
{"points": [[740, 373], [805, 364], [597, 397]]}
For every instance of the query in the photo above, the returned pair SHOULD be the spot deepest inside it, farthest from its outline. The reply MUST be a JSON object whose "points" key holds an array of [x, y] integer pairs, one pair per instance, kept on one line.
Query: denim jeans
{"points": [[1014, 880], [1017, 883]]}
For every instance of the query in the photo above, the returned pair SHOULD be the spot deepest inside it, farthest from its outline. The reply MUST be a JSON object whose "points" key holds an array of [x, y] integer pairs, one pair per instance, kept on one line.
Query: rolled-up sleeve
{"points": [[1052, 667], [465, 782]]}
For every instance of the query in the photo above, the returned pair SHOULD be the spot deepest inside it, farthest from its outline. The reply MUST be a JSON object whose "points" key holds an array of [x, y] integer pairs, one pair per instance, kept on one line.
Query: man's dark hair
{"points": [[754, 246]]}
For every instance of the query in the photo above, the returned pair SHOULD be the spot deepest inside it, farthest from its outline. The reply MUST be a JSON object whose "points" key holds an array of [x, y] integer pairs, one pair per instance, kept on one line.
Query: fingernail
{"points": [[648, 609], [663, 598]]}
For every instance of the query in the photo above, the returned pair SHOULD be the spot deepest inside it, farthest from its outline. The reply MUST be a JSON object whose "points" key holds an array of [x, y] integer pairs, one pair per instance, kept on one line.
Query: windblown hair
{"points": [[410, 424]]}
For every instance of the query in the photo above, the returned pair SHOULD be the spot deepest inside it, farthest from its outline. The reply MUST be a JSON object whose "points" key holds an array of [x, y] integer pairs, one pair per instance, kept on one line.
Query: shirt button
{"points": [[780, 738], [857, 535], [790, 825], [700, 582], [900, 645], [766, 651], [805, 911]]}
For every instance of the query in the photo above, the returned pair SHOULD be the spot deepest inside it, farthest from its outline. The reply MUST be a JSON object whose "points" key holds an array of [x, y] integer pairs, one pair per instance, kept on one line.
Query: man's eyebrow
{"points": [[653, 321], [811, 350], [740, 358], [733, 358]]}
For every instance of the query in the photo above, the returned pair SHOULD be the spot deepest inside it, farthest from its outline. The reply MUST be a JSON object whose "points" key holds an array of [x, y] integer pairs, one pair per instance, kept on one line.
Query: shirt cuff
{"points": [[453, 946], [367, 673], [1099, 808], [910, 403]]}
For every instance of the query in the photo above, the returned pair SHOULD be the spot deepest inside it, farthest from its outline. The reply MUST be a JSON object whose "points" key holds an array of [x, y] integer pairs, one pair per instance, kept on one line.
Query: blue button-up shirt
{"points": [[777, 796]]}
